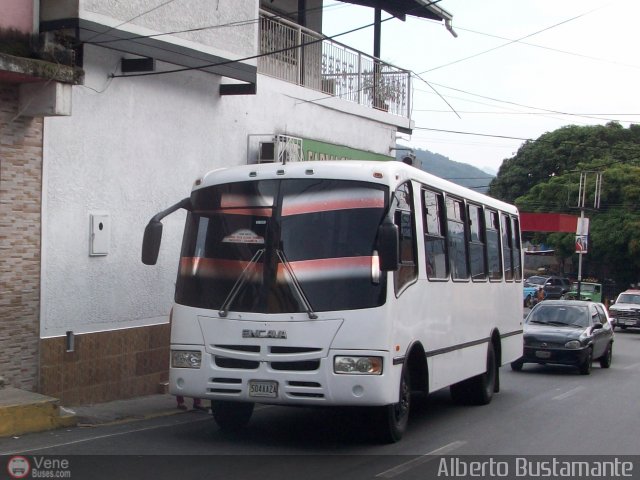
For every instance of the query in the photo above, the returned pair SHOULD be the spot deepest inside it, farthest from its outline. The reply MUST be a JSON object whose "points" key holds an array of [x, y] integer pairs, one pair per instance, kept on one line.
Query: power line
{"points": [[557, 112], [273, 52], [251, 57], [472, 133], [239, 23], [510, 42], [557, 50], [130, 20]]}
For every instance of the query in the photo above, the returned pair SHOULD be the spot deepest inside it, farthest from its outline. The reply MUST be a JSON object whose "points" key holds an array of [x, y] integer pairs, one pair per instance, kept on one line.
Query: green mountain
{"points": [[443, 167]]}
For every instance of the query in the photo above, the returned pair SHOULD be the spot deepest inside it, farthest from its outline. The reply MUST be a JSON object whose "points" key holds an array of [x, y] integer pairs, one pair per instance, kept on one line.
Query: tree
{"points": [[558, 152], [544, 177]]}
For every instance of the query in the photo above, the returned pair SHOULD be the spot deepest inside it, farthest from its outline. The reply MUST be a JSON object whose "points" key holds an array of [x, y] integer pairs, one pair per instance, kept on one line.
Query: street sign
{"points": [[583, 226], [582, 243]]}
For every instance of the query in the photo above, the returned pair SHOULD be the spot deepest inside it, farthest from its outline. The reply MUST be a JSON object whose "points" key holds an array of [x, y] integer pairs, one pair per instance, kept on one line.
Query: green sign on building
{"points": [[316, 150]]}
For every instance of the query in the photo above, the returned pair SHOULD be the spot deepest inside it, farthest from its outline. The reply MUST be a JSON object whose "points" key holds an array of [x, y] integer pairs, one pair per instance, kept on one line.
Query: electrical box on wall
{"points": [[100, 234]]}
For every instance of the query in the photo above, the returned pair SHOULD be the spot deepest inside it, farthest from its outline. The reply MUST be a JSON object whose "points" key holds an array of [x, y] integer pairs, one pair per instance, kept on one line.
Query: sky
{"points": [[518, 69]]}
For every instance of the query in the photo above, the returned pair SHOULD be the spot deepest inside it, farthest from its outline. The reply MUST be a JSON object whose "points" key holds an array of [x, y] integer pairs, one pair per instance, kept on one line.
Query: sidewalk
{"points": [[120, 411], [24, 412]]}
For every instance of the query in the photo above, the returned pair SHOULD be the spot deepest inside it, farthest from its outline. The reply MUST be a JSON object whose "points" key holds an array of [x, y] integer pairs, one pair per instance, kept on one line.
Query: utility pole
{"points": [[582, 231]]}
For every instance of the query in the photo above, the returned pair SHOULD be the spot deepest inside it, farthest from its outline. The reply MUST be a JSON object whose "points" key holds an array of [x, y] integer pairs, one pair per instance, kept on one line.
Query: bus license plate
{"points": [[263, 388], [543, 354]]}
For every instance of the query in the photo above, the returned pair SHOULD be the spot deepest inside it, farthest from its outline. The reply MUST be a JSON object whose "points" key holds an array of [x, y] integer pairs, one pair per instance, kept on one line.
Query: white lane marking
{"points": [[633, 366], [427, 457], [568, 393], [99, 437]]}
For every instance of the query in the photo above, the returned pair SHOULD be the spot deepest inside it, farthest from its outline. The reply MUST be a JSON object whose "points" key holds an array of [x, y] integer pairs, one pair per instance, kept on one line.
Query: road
{"points": [[541, 410]]}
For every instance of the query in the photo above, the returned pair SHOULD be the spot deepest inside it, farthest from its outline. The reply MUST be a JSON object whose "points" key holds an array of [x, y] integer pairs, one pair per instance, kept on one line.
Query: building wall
{"points": [[17, 14], [129, 151], [235, 21], [106, 366], [20, 189]]}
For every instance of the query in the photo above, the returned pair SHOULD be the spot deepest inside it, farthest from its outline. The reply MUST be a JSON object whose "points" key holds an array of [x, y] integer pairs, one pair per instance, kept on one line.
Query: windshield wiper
{"points": [[538, 321], [296, 285], [237, 287]]}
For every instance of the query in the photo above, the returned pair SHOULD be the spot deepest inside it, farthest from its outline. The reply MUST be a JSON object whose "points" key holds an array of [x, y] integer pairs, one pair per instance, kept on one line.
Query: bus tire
{"points": [[393, 419], [478, 390], [231, 416]]}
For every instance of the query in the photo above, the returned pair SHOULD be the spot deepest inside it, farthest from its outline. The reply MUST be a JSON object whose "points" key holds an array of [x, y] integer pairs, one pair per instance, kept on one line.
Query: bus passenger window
{"points": [[434, 235], [476, 243], [493, 245], [517, 249], [457, 240], [408, 268], [507, 248]]}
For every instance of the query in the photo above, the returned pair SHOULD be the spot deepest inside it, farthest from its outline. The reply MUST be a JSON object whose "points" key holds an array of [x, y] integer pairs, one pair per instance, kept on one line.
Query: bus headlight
{"points": [[358, 365], [186, 359]]}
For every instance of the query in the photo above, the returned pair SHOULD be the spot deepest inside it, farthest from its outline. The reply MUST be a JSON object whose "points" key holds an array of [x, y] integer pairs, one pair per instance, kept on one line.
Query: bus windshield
{"points": [[283, 246]]}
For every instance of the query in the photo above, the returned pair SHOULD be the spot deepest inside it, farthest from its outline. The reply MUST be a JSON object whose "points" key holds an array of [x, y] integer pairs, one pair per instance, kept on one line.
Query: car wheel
{"points": [[393, 419], [517, 365], [585, 367], [231, 416], [605, 360]]}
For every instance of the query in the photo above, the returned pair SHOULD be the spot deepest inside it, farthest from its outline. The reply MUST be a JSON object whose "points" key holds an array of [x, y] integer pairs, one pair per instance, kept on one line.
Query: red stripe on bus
{"points": [[331, 205]]}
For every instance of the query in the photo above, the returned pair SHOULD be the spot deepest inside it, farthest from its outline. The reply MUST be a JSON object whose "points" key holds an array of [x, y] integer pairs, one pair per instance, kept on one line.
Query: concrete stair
{"points": [[24, 412]]}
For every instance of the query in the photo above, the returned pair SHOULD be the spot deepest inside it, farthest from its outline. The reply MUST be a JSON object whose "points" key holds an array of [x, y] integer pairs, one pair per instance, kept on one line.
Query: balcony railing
{"points": [[301, 56]]}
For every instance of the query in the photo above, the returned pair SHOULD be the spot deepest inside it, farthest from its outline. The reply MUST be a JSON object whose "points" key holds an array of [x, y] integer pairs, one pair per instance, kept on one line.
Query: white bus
{"points": [[341, 283]]}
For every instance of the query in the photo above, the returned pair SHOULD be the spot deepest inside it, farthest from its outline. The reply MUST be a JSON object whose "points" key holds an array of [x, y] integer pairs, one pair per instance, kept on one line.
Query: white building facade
{"points": [[171, 90]]}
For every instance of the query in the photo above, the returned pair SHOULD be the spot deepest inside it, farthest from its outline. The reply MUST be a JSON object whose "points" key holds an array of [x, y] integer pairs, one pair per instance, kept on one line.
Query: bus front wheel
{"points": [[231, 416], [393, 418]]}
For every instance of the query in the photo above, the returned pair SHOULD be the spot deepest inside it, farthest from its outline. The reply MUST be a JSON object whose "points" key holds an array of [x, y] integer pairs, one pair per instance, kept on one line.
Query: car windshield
{"points": [[282, 246], [574, 315], [628, 298], [536, 280], [586, 287]]}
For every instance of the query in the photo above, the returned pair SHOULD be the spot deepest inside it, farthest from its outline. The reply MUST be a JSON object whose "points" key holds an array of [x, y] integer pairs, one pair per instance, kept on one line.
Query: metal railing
{"points": [[298, 55]]}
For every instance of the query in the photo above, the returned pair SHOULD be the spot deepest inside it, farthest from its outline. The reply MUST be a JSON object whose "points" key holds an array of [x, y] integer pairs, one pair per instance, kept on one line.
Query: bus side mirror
{"points": [[388, 247], [151, 242]]}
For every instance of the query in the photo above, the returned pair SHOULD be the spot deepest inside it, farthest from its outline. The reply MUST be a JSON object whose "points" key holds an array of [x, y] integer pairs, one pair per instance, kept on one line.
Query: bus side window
{"points": [[408, 268], [477, 256], [457, 239], [493, 245], [517, 249], [507, 246], [435, 241]]}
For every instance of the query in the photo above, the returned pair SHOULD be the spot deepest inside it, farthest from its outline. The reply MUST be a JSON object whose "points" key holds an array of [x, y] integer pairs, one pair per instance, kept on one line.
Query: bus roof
{"points": [[390, 173]]}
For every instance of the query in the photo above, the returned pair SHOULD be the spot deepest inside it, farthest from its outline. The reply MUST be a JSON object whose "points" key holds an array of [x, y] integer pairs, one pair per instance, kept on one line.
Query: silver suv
{"points": [[626, 311]]}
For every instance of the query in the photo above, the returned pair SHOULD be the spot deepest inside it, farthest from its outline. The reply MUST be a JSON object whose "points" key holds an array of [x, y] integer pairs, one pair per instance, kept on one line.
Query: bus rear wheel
{"points": [[478, 390], [231, 416], [393, 419]]}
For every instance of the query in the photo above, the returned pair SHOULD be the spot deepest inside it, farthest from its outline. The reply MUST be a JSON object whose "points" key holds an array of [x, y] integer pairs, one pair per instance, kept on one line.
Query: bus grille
{"points": [[302, 366], [226, 362]]}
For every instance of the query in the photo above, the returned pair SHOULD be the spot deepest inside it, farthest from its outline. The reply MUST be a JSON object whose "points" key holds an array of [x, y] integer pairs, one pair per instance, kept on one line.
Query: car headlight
{"points": [[358, 365], [572, 344], [186, 359]]}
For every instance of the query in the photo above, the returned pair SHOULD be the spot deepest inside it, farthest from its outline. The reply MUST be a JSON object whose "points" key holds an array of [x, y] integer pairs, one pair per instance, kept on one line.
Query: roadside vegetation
{"points": [[544, 176]]}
